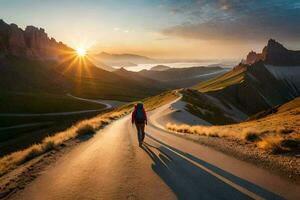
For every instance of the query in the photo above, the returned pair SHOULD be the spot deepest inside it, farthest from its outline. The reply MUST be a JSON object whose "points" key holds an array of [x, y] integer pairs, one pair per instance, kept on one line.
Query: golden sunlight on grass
{"points": [[270, 133]]}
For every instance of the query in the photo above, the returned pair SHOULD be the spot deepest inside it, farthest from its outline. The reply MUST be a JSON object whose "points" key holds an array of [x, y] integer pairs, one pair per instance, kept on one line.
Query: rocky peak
{"points": [[274, 53], [14, 26], [252, 57], [4, 29], [122, 69], [16, 42], [32, 42], [273, 44]]}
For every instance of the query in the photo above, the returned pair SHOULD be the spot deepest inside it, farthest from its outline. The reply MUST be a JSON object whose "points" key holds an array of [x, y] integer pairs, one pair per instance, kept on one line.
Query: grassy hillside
{"points": [[276, 133], [149, 82], [43, 85], [92, 82], [250, 89], [42, 103], [205, 108], [233, 77], [24, 75]]}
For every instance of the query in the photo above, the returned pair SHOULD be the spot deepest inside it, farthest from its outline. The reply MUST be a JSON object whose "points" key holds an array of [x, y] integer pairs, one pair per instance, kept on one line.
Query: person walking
{"points": [[139, 118]]}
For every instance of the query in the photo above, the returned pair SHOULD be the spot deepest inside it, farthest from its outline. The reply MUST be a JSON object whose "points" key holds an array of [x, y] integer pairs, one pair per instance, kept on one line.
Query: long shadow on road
{"points": [[189, 181]]}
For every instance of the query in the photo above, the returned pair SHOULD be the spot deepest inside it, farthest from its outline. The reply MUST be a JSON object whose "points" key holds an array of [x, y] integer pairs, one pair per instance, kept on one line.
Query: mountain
{"points": [[92, 82], [152, 83], [248, 88], [160, 68], [182, 77], [32, 64], [123, 60], [31, 43], [275, 54]]}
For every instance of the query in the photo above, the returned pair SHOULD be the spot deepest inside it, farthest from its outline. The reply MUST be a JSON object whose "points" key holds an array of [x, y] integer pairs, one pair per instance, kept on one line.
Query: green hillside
{"points": [[232, 77], [42, 103]]}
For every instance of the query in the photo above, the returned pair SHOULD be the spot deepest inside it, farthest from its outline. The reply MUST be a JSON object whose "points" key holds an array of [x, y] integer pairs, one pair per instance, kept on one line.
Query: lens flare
{"points": [[81, 52]]}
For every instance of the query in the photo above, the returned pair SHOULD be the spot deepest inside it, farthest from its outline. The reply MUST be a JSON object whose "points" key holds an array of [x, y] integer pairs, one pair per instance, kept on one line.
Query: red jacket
{"points": [[134, 114]]}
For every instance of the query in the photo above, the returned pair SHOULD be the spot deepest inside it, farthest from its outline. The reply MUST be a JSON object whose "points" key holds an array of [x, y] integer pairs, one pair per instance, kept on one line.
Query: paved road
{"points": [[111, 165]]}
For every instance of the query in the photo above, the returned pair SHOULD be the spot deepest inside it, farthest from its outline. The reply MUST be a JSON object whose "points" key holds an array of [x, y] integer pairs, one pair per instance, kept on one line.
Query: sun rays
{"points": [[79, 62], [81, 51], [76, 62]]}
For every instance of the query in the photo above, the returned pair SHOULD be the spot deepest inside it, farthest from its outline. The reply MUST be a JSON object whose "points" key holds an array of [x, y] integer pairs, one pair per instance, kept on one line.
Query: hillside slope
{"points": [[93, 82], [150, 82], [270, 132], [248, 88]]}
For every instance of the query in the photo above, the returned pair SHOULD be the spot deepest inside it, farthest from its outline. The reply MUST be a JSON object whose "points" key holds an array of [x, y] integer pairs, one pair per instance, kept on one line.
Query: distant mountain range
{"points": [[173, 78], [160, 68], [123, 59], [259, 83], [183, 77], [130, 60]]}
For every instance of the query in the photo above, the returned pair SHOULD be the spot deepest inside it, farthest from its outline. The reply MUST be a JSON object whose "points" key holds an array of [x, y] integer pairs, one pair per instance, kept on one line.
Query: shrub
{"points": [[34, 151], [285, 131], [85, 129], [291, 144], [250, 135], [49, 144], [271, 144]]}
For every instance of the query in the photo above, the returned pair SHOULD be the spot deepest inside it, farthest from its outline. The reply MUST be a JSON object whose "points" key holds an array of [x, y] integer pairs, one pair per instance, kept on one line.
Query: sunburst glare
{"points": [[81, 52]]}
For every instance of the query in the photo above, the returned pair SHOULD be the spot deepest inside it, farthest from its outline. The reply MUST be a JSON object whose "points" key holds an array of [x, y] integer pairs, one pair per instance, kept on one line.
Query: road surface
{"points": [[111, 165]]}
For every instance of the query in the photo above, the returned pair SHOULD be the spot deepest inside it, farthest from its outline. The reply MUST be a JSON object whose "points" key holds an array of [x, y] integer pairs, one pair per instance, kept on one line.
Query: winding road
{"points": [[107, 103], [111, 165]]}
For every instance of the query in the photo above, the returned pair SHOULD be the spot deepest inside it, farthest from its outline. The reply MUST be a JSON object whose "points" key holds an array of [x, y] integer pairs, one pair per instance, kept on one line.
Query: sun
{"points": [[81, 52]]}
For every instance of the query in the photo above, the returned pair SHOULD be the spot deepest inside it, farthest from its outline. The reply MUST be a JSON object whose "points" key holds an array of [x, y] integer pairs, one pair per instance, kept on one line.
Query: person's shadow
{"points": [[188, 181]]}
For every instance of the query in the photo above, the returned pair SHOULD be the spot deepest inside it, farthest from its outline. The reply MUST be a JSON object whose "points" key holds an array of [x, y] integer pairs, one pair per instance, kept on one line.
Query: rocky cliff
{"points": [[252, 57], [31, 43], [275, 54]]}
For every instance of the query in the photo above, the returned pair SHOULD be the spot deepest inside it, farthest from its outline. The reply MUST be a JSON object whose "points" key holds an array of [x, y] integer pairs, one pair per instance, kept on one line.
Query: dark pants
{"points": [[140, 127]]}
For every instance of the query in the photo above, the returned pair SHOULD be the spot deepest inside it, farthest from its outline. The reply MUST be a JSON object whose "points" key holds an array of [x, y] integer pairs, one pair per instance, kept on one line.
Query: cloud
{"points": [[237, 20]]}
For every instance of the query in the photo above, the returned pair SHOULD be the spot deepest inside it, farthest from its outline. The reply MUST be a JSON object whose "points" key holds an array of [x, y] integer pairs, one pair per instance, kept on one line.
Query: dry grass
{"points": [[12, 160], [212, 131], [154, 102], [271, 144], [276, 133], [251, 134]]}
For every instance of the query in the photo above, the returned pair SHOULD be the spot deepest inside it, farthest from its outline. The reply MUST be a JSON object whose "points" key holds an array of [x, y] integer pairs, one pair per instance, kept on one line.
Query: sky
{"points": [[201, 29]]}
